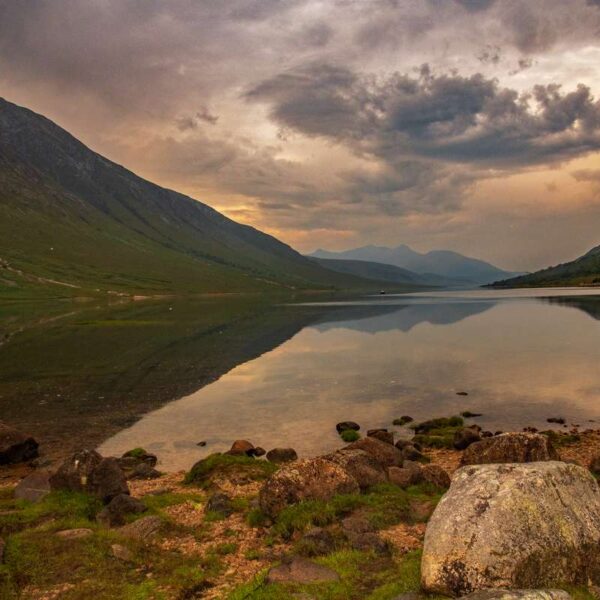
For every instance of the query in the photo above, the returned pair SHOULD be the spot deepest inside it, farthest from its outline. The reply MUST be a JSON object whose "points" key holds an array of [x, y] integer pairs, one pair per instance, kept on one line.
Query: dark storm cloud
{"points": [[451, 117]]}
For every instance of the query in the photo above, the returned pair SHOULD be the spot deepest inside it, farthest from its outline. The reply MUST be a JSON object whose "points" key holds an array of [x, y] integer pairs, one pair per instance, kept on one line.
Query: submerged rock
{"points": [[282, 455], [513, 526], [15, 446], [309, 479], [510, 448], [345, 425]]}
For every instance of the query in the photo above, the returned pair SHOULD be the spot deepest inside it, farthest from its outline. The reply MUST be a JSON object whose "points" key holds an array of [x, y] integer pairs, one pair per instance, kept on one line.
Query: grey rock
{"points": [[107, 480], [301, 570], [74, 473], [529, 525], [146, 457], [33, 487], [360, 465], [309, 479], [401, 477], [510, 448], [143, 471]]}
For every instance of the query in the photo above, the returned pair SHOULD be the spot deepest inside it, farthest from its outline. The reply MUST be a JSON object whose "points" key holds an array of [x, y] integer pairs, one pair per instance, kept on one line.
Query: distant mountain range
{"points": [[438, 267], [580, 272], [73, 221]]}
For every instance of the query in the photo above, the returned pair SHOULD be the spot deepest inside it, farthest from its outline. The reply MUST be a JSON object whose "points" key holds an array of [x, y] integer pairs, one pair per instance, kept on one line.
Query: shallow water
{"points": [[522, 356]]}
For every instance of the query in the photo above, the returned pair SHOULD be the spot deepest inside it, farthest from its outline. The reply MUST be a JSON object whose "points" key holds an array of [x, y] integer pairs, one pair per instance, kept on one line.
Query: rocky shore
{"points": [[451, 512]]}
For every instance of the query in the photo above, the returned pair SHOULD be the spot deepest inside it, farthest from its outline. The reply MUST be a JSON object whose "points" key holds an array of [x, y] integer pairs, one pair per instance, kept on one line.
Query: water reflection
{"points": [[521, 359]]}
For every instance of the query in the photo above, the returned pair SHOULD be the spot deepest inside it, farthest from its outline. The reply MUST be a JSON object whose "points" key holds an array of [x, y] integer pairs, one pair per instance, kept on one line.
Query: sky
{"points": [[470, 125]]}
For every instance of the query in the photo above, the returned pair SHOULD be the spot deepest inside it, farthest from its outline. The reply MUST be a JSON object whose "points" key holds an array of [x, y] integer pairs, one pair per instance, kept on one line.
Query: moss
{"points": [[437, 440], [561, 439], [441, 423], [349, 435], [226, 548], [225, 464], [136, 453]]}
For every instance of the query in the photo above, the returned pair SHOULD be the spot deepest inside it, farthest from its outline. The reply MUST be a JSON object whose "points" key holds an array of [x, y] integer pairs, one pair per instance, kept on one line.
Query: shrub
{"points": [[349, 435]]}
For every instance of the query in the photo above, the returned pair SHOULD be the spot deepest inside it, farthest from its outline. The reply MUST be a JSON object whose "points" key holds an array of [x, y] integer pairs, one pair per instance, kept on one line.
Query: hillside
{"points": [[71, 220], [583, 271], [384, 272], [443, 263]]}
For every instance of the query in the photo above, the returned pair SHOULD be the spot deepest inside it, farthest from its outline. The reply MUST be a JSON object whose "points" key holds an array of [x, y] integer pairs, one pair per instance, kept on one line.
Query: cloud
{"points": [[453, 118]]}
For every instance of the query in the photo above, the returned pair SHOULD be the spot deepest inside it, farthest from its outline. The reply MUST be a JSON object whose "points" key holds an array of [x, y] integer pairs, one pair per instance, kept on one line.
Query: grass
{"points": [[363, 576], [226, 465], [36, 557], [349, 435], [136, 453], [561, 439], [383, 505], [437, 433]]}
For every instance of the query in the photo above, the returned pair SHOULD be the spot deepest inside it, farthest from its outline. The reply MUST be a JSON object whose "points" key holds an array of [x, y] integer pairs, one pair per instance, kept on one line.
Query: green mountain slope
{"points": [[71, 220], [583, 271]]}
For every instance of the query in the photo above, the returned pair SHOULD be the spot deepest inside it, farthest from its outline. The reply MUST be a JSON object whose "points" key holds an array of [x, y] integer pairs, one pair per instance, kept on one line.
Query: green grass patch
{"points": [[224, 464], [438, 424], [349, 435], [136, 453], [383, 505], [437, 433], [561, 439]]}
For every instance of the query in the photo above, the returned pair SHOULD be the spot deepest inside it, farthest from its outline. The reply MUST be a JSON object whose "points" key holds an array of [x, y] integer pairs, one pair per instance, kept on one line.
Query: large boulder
{"points": [[107, 480], [385, 454], [360, 465], [510, 448], [15, 447], [513, 526], [74, 473], [87, 471], [309, 479]]}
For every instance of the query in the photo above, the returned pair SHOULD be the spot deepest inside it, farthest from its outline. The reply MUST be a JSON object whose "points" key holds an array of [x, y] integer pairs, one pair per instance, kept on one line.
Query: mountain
{"points": [[437, 262], [583, 271], [385, 273], [71, 220]]}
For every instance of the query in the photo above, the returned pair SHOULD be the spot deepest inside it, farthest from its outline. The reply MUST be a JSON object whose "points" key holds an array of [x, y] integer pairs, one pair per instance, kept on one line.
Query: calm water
{"points": [[522, 356]]}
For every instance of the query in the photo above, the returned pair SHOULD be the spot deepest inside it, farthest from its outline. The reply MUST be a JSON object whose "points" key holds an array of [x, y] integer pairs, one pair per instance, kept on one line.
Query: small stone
{"points": [[369, 542], [382, 435], [258, 451], [75, 534], [143, 529], [143, 471], [241, 447], [282, 455], [401, 477], [464, 437], [557, 420], [122, 553], [118, 508], [220, 503], [462, 393], [34, 487], [201, 444], [301, 570], [411, 452], [385, 454], [317, 542], [345, 425]]}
